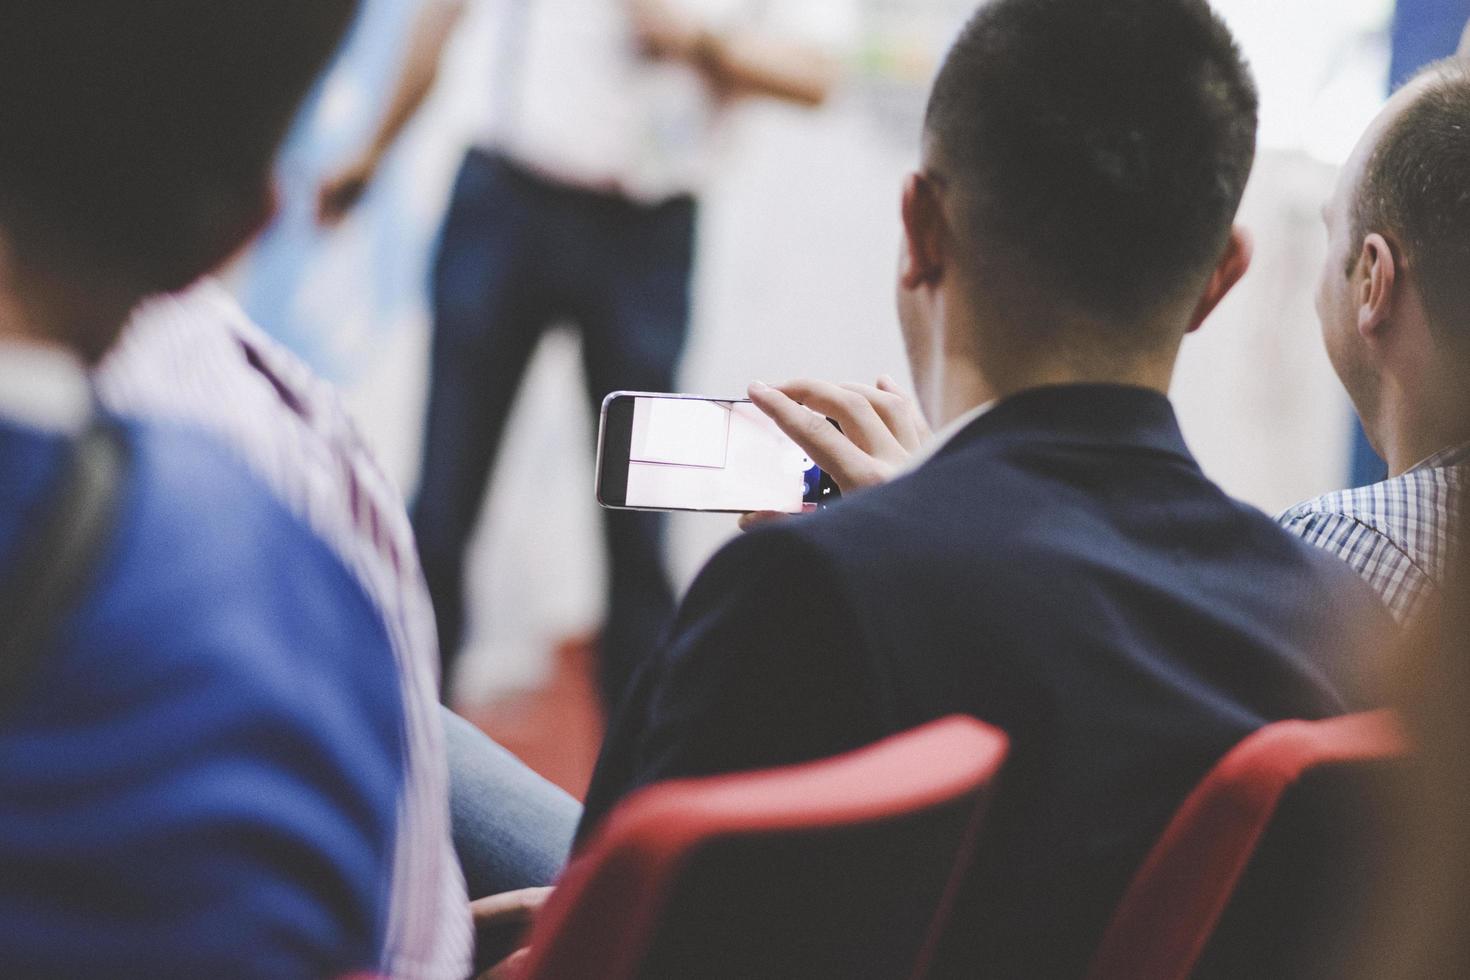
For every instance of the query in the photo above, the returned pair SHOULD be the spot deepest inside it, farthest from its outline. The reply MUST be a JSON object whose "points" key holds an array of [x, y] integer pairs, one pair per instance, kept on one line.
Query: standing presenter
{"points": [[577, 203]]}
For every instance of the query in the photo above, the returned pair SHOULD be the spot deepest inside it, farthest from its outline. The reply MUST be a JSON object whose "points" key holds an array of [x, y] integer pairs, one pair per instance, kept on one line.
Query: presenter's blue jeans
{"points": [[512, 829], [517, 255]]}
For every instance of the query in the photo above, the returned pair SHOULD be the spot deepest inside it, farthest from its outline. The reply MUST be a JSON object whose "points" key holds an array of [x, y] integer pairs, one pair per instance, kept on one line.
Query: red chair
{"points": [[1175, 902], [841, 868]]}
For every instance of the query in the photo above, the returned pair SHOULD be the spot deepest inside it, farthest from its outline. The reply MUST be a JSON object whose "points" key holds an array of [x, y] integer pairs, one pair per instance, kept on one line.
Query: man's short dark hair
{"points": [[1416, 191], [1105, 144], [130, 128]]}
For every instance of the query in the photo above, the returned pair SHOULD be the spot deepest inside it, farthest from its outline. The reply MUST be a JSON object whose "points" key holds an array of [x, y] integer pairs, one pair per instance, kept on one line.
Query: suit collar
{"points": [[1113, 416], [944, 437]]}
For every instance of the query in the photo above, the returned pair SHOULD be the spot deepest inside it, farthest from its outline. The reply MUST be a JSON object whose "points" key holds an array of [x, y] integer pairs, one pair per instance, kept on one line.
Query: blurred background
{"points": [[796, 250]]}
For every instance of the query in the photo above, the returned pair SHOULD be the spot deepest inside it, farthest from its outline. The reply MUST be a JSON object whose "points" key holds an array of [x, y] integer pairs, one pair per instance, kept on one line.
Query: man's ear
{"points": [[1375, 283], [923, 232], [1233, 265], [227, 226]]}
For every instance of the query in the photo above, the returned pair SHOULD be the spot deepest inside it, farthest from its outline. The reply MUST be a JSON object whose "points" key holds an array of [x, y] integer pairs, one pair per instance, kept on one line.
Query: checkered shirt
{"points": [[1394, 533]]}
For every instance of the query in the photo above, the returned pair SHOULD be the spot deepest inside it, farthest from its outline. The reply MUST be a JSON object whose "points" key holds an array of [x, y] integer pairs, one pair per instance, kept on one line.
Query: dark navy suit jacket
{"points": [[1061, 569]]}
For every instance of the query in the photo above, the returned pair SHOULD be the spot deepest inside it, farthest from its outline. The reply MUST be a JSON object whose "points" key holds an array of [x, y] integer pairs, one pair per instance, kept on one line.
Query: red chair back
{"points": [[1174, 903], [840, 868]]}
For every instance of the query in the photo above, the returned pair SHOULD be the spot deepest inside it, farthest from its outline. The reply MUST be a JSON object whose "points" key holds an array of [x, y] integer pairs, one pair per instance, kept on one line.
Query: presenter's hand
{"points": [[341, 191], [664, 31], [881, 426]]}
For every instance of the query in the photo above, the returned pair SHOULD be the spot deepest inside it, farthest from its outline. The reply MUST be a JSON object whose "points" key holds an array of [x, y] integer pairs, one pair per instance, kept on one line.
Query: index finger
{"points": [[861, 422], [824, 444]]}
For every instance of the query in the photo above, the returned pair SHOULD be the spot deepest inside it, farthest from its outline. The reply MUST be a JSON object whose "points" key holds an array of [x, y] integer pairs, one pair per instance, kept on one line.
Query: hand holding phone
{"points": [[873, 433], [659, 451]]}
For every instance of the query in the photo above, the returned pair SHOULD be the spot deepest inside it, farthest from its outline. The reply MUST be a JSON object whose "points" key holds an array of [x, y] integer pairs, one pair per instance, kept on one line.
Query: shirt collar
{"points": [[43, 387], [1452, 456]]}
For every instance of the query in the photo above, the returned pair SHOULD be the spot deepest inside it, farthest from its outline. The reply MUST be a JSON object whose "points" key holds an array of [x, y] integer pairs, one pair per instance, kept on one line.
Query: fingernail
{"points": [[759, 386]]}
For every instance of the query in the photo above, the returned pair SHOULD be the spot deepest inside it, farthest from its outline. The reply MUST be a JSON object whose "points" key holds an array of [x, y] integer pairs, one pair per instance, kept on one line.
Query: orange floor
{"points": [[556, 730]]}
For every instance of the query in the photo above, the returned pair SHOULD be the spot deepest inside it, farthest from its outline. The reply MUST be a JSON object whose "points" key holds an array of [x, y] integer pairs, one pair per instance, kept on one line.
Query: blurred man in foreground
{"points": [[1055, 562], [200, 726], [578, 204], [1394, 301], [196, 359]]}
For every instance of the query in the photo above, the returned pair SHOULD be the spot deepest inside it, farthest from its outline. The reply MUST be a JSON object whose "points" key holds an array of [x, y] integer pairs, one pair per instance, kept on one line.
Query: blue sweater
{"points": [[200, 780]]}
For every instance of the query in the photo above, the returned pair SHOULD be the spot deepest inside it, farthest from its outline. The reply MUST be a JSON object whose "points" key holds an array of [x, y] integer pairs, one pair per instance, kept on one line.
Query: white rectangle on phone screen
{"points": [[711, 455], [680, 432]]}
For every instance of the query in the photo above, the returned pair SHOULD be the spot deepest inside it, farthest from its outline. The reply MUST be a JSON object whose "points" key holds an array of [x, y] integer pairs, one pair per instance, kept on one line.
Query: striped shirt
{"points": [[1396, 533], [197, 359]]}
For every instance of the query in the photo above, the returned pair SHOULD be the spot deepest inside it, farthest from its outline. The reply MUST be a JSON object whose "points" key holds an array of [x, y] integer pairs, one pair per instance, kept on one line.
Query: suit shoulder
{"points": [[973, 501]]}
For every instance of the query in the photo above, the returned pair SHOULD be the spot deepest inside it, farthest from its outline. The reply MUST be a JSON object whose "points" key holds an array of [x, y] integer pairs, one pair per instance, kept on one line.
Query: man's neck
{"points": [[1415, 425], [965, 382], [988, 352], [82, 325]]}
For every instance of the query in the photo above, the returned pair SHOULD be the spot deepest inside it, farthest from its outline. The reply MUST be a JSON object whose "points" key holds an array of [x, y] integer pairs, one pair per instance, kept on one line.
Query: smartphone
{"points": [[714, 455]]}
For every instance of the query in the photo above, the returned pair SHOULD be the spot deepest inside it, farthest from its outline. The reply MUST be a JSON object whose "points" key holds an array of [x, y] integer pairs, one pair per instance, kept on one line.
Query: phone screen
{"points": [[672, 452]]}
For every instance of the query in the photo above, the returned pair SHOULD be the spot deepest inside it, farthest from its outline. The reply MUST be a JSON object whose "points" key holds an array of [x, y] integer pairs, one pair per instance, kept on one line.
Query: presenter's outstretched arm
{"points": [[740, 62], [431, 32]]}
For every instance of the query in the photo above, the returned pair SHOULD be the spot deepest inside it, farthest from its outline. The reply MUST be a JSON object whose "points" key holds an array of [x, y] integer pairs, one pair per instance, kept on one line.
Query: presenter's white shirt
{"points": [[572, 97]]}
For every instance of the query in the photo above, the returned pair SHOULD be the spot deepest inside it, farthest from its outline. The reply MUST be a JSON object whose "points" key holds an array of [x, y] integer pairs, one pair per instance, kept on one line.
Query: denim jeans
{"points": [[512, 829], [517, 255]]}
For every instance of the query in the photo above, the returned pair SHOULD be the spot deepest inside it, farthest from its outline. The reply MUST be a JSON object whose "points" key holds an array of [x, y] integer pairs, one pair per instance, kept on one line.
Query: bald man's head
{"points": [[1414, 189]]}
